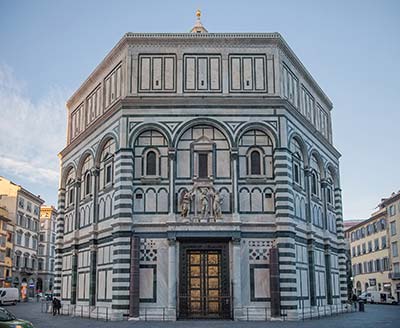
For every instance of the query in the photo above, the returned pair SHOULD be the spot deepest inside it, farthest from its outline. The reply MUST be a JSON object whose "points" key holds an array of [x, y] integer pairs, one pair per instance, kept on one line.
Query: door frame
{"points": [[221, 245]]}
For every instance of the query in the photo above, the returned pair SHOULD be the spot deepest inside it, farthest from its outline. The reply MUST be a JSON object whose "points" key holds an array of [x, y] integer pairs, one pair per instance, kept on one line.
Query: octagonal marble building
{"points": [[199, 180]]}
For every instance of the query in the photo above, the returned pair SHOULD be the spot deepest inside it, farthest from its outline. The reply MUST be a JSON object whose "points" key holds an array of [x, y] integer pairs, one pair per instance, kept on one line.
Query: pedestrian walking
{"points": [[354, 298], [56, 306]]}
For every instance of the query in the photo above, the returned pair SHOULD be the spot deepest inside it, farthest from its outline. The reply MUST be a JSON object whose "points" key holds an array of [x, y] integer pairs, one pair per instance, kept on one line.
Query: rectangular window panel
{"points": [[203, 165]]}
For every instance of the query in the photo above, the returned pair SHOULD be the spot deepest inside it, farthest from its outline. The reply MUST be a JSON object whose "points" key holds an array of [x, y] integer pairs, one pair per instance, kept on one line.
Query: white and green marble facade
{"points": [[173, 94]]}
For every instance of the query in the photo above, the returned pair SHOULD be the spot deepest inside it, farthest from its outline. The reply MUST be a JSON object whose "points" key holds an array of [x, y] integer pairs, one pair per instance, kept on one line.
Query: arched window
{"points": [[255, 162], [314, 182], [315, 176], [69, 187], [86, 176], [87, 183], [151, 163], [297, 162], [107, 164], [71, 196]]}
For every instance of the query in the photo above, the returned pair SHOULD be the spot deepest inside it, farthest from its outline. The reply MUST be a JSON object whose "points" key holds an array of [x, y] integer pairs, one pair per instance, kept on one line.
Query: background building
{"points": [[200, 180], [5, 271], [370, 253], [24, 212], [46, 249], [347, 224], [392, 206]]}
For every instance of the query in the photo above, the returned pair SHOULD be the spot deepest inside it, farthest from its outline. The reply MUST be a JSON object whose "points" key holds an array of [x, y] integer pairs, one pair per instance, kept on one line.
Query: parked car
{"points": [[9, 295], [8, 320], [377, 297]]}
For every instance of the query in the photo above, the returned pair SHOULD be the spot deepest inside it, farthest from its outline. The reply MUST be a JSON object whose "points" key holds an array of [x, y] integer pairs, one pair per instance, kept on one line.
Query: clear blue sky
{"points": [[352, 48]]}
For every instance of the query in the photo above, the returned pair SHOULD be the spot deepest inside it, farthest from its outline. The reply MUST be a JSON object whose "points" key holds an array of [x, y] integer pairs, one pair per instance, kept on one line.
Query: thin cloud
{"points": [[32, 133]]}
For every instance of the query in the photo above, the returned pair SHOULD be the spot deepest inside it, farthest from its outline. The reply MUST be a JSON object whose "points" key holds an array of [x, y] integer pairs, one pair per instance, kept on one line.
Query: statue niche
{"points": [[201, 204]]}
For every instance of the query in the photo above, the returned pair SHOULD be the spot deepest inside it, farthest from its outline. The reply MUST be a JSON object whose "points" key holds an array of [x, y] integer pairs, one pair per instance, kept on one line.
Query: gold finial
{"points": [[198, 26]]}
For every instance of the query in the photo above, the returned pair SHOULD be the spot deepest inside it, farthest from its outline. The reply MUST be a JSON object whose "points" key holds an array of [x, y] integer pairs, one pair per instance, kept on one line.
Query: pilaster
{"points": [[122, 232], [285, 232], [59, 242]]}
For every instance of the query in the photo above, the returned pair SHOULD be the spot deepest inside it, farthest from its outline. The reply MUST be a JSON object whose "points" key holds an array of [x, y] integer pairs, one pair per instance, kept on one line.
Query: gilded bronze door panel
{"points": [[204, 291]]}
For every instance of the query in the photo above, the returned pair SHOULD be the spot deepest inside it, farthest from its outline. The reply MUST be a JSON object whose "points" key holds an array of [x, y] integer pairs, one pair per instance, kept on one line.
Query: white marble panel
{"points": [[146, 278], [247, 73], [157, 73], [190, 73], [261, 283], [169, 72], [183, 163], [259, 74], [145, 73], [202, 82], [235, 74], [223, 164], [214, 72]]}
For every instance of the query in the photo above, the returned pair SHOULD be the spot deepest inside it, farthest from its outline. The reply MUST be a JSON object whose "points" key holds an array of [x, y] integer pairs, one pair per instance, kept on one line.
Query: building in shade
{"points": [[199, 180], [392, 206], [24, 212], [6, 248], [46, 249], [373, 249]]}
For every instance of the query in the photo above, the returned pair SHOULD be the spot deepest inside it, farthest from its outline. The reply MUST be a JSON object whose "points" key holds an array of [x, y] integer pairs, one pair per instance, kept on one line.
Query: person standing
{"points": [[354, 298], [54, 303]]}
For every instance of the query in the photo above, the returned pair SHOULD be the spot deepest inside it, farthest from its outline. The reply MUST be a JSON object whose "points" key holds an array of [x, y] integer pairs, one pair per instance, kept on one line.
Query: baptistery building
{"points": [[199, 180]]}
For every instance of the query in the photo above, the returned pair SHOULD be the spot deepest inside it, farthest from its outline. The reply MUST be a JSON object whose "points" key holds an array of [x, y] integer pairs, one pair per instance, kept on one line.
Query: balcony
{"points": [[394, 275]]}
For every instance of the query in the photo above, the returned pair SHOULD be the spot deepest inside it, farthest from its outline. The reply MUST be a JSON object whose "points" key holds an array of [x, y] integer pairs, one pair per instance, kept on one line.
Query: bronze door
{"points": [[204, 293]]}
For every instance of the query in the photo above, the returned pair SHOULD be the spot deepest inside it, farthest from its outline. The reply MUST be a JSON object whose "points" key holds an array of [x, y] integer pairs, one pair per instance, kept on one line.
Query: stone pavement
{"points": [[375, 316]]}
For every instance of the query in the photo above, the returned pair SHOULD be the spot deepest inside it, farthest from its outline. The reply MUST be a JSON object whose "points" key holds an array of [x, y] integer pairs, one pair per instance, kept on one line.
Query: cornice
{"points": [[182, 102]]}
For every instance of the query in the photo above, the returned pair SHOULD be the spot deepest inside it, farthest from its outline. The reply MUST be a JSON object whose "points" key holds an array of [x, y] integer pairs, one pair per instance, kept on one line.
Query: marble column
{"points": [[172, 277], [235, 203], [134, 278], [95, 211], [237, 286], [92, 274], [274, 282], [171, 157], [311, 272], [324, 191], [307, 184], [74, 275], [76, 205], [328, 274]]}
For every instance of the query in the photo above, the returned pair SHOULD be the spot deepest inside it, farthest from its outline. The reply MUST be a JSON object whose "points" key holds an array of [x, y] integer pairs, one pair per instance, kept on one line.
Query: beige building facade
{"points": [[24, 213], [46, 248], [392, 206], [369, 249], [5, 248]]}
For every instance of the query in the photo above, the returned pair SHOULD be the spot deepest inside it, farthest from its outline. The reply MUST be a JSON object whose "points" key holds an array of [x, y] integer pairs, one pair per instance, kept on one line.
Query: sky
{"points": [[351, 48]]}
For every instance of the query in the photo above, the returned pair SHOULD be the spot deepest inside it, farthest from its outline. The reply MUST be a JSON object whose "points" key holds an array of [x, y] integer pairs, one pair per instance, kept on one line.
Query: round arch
{"points": [[320, 163], [257, 126], [149, 126], [296, 136], [203, 121], [86, 153], [334, 173], [65, 172], [106, 138]]}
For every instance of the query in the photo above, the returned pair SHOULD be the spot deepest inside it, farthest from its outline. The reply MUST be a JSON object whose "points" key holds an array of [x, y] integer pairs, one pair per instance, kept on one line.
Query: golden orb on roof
{"points": [[198, 13]]}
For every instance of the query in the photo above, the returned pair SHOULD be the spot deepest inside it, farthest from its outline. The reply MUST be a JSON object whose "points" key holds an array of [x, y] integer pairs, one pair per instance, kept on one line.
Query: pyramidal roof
{"points": [[198, 26]]}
